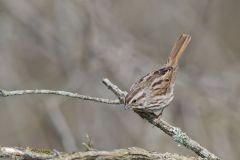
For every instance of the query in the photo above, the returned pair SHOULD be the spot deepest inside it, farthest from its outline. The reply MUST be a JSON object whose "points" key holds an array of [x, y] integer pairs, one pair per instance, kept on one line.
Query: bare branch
{"points": [[5, 93], [120, 154], [178, 136]]}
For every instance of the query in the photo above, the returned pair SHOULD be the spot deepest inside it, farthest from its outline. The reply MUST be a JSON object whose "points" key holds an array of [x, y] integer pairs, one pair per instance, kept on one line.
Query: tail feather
{"points": [[178, 49]]}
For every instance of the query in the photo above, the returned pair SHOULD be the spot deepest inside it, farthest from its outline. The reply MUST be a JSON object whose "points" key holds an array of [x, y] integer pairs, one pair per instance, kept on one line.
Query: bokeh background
{"points": [[72, 45]]}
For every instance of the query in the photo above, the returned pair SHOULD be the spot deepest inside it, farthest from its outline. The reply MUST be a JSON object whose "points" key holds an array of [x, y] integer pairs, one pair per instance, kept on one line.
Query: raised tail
{"points": [[178, 49]]}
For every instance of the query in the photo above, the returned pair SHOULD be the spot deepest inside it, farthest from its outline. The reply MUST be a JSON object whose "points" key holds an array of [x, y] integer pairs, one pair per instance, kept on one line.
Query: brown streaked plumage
{"points": [[154, 91]]}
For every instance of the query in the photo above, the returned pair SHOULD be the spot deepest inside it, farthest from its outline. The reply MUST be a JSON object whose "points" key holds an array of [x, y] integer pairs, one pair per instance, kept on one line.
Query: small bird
{"points": [[153, 92]]}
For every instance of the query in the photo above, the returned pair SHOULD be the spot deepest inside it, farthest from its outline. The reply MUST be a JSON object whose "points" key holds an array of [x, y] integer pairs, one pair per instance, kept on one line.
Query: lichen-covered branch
{"points": [[178, 136], [5, 93], [120, 154], [176, 133]]}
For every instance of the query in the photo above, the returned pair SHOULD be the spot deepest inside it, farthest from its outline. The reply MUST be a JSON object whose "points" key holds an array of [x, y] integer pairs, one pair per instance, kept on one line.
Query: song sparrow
{"points": [[154, 91]]}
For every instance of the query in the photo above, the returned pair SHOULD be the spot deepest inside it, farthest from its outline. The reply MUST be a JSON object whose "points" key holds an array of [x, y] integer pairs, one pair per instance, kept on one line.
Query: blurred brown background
{"points": [[72, 45]]}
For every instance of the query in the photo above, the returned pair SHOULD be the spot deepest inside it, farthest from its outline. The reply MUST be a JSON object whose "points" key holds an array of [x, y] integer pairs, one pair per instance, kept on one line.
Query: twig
{"points": [[5, 93], [88, 144], [120, 154], [118, 92]]}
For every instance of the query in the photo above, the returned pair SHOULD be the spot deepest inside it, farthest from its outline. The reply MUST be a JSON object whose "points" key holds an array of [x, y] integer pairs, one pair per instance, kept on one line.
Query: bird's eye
{"points": [[167, 80], [134, 101]]}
